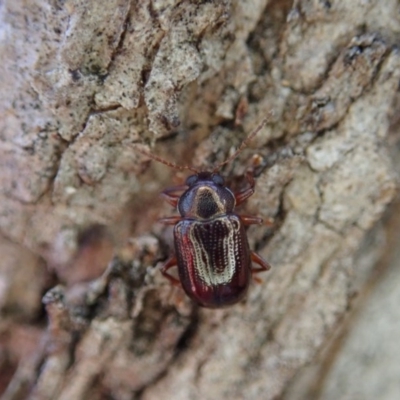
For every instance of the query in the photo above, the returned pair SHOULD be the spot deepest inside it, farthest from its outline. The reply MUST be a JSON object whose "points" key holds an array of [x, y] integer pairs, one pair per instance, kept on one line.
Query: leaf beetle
{"points": [[212, 252]]}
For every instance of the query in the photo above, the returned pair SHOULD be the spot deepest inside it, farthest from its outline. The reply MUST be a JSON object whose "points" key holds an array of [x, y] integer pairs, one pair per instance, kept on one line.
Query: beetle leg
{"points": [[250, 220], [173, 200], [171, 196], [246, 193], [170, 220], [171, 262], [264, 266]]}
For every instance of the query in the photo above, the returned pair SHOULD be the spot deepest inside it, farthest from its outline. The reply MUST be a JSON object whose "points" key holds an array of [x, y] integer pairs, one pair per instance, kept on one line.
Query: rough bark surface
{"points": [[85, 82]]}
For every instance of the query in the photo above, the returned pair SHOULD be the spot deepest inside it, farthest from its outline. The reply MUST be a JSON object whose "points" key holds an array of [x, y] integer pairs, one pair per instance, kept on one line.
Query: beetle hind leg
{"points": [[171, 262], [264, 266]]}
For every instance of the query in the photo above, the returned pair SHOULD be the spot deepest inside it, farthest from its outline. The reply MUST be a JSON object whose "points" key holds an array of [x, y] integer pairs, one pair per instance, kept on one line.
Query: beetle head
{"points": [[207, 197]]}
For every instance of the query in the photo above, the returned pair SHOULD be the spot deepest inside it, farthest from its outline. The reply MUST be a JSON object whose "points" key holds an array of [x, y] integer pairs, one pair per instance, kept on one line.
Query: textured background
{"points": [[83, 82]]}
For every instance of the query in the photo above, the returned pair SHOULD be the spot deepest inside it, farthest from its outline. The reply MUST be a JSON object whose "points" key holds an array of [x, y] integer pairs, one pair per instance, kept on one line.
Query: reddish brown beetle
{"points": [[212, 252]]}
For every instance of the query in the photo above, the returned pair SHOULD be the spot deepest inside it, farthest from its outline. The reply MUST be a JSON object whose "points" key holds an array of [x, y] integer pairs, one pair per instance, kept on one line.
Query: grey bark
{"points": [[84, 84]]}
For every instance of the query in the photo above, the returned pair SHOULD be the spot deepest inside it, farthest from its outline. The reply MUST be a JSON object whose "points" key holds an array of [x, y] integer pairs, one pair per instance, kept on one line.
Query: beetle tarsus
{"points": [[246, 193]]}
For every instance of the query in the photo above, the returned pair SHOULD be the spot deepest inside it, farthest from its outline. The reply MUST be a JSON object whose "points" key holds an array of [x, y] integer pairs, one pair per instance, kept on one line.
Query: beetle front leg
{"points": [[171, 262], [246, 193], [264, 266], [170, 195], [170, 220]]}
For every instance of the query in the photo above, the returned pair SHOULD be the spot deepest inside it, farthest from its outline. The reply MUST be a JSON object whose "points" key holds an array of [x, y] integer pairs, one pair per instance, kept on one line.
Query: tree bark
{"points": [[84, 85]]}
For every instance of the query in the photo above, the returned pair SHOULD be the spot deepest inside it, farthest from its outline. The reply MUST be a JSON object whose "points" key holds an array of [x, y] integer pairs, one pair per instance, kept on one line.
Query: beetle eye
{"points": [[191, 180], [218, 179]]}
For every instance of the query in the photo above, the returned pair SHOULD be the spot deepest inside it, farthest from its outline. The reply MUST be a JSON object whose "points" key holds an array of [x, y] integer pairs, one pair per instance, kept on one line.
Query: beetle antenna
{"points": [[166, 162], [229, 159], [244, 143]]}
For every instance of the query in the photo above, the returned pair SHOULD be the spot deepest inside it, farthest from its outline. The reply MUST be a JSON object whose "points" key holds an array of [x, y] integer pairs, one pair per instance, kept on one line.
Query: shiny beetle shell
{"points": [[213, 260], [212, 252]]}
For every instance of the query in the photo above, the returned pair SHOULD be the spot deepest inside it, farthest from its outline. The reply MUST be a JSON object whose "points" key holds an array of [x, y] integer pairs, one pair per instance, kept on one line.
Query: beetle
{"points": [[212, 252]]}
